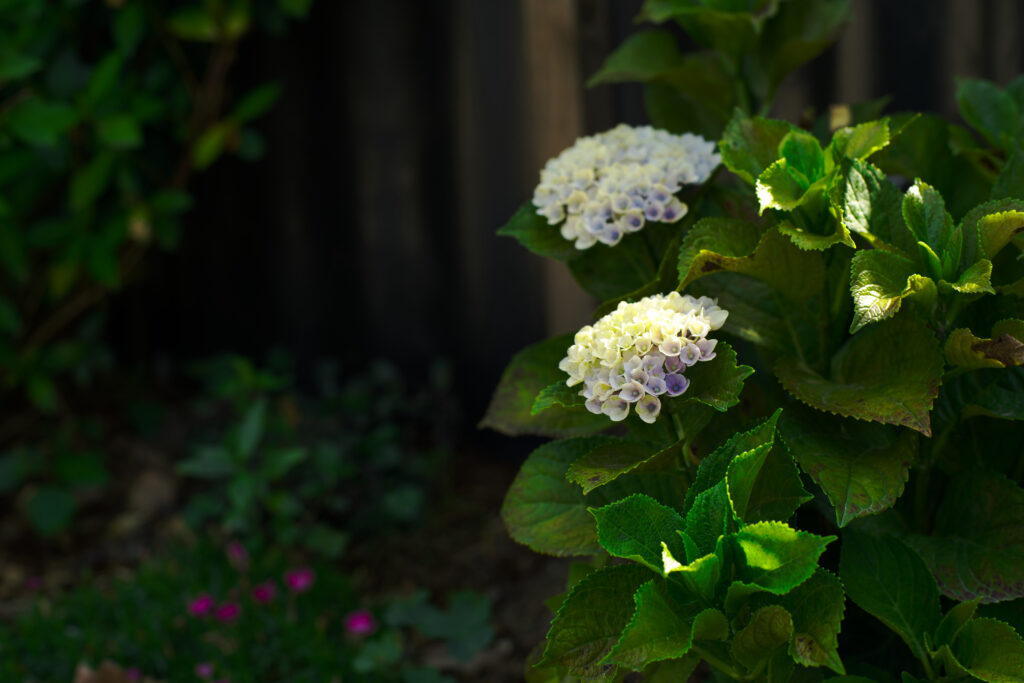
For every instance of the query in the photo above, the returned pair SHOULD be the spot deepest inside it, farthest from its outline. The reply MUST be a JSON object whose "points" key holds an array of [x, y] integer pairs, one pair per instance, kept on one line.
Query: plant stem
{"points": [[724, 667]]}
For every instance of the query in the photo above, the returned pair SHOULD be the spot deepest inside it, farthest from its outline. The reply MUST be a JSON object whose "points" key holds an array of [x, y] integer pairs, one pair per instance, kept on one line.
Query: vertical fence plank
{"points": [[554, 87]]}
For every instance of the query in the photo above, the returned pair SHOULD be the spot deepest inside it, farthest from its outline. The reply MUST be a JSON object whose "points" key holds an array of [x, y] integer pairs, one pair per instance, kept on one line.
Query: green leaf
{"points": [[250, 431], [557, 394], [90, 181], [257, 102], [606, 272], [879, 283], [40, 123], [208, 148], [119, 132], [689, 98], [924, 212], [10, 320], [655, 632], [279, 461], [1010, 182], [298, 9], [816, 606], [201, 24], [606, 463], [128, 27], [976, 550], [988, 109], [862, 467], [764, 487], [859, 142], [726, 30], [804, 156], [533, 232], [889, 373], [751, 145], [589, 623], [989, 227], [871, 205], [975, 280], [990, 651], [889, 581], [714, 467], [546, 512], [208, 462], [641, 57], [770, 628], [701, 575], [725, 244], [709, 518], [781, 187], [50, 510], [14, 66], [635, 529], [776, 557], [103, 79], [953, 621], [795, 33], [530, 371]]}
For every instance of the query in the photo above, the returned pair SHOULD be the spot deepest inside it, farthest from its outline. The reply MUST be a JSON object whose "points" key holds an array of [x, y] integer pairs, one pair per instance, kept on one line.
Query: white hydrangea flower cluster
{"points": [[609, 184], [641, 351]]}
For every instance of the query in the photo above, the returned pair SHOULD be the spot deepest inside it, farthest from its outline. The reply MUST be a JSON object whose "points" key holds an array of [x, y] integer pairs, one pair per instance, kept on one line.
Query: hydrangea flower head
{"points": [[640, 351], [610, 184]]}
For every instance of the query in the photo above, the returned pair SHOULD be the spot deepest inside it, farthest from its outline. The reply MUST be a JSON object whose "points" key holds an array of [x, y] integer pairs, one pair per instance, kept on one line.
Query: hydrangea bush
{"points": [[787, 448]]}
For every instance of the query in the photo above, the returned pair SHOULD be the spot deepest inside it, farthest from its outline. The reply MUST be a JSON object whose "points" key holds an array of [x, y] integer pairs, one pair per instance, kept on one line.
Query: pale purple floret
{"points": [[594, 405], [675, 384], [654, 211], [634, 221], [652, 361], [690, 354], [638, 375], [655, 385], [673, 364], [707, 348], [631, 392], [669, 214]]}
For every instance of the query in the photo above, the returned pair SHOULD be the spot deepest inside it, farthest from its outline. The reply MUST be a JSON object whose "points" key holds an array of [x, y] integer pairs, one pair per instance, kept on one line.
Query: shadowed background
{"points": [[409, 132]]}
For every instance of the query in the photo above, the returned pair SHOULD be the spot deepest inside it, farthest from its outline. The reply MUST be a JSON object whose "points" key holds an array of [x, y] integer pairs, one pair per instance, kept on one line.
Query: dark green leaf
{"points": [[279, 461], [989, 227], [750, 145], [40, 123], [250, 431], [988, 109], [534, 233], [211, 143], [724, 244], [642, 57], [655, 632], [862, 467], [50, 510], [610, 461], [889, 373], [976, 550], [119, 131], [709, 518], [770, 628], [889, 581], [15, 66], [209, 462], [90, 181], [530, 371], [953, 621], [557, 394], [635, 529], [200, 24], [924, 212], [590, 621], [257, 102], [859, 142], [1010, 182]]}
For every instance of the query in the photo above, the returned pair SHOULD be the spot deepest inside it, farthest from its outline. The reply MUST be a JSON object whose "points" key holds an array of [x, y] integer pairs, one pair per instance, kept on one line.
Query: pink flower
{"points": [[204, 670], [238, 556], [133, 675], [227, 612], [360, 623], [201, 605], [264, 592], [299, 580]]}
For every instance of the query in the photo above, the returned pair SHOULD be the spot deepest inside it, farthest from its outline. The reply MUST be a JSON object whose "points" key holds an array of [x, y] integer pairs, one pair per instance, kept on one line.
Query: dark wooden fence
{"points": [[410, 131]]}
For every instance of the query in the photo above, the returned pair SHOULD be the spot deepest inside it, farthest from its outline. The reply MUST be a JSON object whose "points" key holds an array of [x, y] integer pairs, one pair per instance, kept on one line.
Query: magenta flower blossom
{"points": [[299, 580], [204, 670], [238, 556], [201, 605], [133, 675], [264, 592], [228, 611], [360, 623]]}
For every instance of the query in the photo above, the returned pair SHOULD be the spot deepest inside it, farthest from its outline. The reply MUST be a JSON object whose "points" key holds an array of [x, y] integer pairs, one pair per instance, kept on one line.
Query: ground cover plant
{"points": [[788, 447]]}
